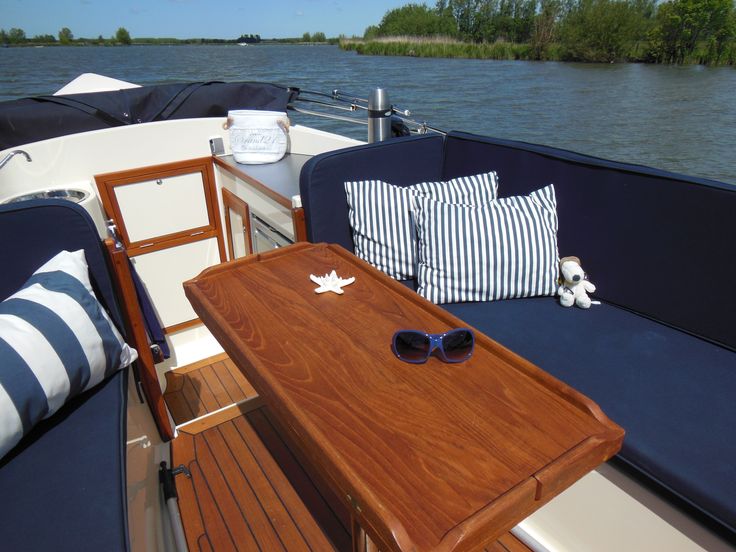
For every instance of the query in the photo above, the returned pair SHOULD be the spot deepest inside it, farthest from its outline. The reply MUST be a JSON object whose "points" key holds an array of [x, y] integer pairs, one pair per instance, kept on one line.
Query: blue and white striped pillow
{"points": [[381, 219], [56, 341], [505, 249]]}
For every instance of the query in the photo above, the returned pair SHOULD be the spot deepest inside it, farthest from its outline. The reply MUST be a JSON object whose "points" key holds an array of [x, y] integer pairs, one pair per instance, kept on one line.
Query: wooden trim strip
{"points": [[191, 235], [135, 329], [230, 201], [200, 364], [221, 415], [300, 224], [182, 326]]}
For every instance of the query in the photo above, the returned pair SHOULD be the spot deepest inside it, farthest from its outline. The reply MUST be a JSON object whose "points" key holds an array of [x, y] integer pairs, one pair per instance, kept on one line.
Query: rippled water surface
{"points": [[677, 118]]}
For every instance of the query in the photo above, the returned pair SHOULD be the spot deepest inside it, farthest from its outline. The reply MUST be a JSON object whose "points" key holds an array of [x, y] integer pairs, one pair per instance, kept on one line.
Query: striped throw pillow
{"points": [[505, 249], [56, 341], [381, 219]]}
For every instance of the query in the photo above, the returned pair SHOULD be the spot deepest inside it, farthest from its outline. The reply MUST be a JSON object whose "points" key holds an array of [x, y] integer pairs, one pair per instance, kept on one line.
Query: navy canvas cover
{"points": [[655, 242], [63, 486], [31, 119]]}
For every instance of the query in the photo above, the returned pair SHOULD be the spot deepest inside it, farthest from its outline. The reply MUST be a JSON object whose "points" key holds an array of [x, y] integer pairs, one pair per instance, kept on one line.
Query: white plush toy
{"points": [[574, 286]]}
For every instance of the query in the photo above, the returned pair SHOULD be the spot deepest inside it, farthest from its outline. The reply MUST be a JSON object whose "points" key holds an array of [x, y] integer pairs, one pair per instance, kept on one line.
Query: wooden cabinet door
{"points": [[168, 220]]}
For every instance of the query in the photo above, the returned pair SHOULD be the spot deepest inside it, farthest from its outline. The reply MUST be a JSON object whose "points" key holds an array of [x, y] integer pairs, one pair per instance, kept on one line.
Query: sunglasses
{"points": [[416, 347]]}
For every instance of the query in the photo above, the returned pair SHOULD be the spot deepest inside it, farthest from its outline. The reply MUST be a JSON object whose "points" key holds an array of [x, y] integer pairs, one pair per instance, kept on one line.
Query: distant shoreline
{"points": [[168, 42]]}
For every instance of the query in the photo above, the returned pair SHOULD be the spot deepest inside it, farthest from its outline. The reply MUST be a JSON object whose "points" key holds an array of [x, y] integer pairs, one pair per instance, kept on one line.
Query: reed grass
{"points": [[447, 47], [443, 47]]}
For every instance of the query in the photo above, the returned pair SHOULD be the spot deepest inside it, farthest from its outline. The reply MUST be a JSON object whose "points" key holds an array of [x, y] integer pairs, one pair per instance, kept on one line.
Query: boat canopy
{"points": [[42, 117]]}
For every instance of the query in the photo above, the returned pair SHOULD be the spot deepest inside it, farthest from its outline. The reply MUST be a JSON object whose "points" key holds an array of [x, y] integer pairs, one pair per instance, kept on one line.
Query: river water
{"points": [[676, 118]]}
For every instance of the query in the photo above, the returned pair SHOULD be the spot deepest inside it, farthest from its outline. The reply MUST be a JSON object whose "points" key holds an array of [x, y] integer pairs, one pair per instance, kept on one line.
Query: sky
{"points": [[195, 18]]}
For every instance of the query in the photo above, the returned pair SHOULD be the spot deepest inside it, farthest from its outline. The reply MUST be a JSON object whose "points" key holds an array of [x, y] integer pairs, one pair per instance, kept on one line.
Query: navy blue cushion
{"points": [[673, 393], [402, 162], [648, 238], [32, 232], [63, 486]]}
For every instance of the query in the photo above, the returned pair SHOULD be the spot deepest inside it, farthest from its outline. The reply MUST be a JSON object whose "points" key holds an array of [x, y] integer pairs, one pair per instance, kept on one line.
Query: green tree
{"points": [[44, 39], [471, 17], [319, 37], [16, 36], [544, 30], [599, 30], [513, 20], [306, 37], [681, 24], [413, 20], [371, 32], [123, 36], [65, 35]]}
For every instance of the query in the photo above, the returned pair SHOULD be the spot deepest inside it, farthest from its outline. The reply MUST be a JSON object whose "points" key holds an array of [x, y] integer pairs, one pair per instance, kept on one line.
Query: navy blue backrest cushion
{"points": [[654, 242], [401, 161], [34, 231]]}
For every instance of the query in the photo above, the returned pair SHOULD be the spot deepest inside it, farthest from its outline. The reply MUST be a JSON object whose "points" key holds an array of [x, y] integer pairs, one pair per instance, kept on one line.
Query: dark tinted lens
{"points": [[411, 346], [458, 344]]}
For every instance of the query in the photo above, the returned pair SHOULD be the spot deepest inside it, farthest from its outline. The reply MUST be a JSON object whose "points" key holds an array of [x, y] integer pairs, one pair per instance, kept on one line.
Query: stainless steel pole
{"points": [[379, 116]]}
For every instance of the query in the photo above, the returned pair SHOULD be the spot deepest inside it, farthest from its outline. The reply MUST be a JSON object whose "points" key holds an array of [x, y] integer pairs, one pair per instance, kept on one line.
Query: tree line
{"points": [[673, 31], [16, 36]]}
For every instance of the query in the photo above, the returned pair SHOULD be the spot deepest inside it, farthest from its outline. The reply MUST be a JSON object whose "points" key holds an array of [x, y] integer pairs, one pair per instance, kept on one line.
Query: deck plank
{"points": [[329, 511], [239, 377], [218, 482], [262, 490], [183, 453], [202, 396], [178, 405], [298, 511], [214, 384], [227, 380], [203, 387], [238, 498]]}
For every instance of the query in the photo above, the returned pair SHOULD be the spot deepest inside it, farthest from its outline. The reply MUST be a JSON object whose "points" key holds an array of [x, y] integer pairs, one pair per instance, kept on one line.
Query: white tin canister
{"points": [[258, 137]]}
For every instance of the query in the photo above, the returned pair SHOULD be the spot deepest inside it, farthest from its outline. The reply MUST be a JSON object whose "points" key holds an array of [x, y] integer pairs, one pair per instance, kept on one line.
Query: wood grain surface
{"points": [[238, 498], [429, 457], [193, 391]]}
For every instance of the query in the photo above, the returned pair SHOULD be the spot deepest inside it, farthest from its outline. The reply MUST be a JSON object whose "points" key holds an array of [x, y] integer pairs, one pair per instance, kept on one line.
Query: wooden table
{"points": [[428, 457]]}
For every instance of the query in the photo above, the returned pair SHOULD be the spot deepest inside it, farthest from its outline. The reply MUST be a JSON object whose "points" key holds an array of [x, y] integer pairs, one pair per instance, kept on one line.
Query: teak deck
{"points": [[238, 498], [205, 387], [431, 457], [210, 520]]}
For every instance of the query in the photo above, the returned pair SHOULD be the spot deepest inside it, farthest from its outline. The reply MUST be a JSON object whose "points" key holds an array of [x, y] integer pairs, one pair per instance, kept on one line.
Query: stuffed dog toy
{"points": [[574, 287]]}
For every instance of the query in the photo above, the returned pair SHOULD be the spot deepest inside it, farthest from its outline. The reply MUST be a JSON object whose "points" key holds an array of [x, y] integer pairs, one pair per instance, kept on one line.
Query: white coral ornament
{"points": [[331, 282]]}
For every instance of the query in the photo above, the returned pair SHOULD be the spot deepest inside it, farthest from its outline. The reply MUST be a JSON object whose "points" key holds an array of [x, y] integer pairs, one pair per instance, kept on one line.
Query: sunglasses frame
{"points": [[435, 343]]}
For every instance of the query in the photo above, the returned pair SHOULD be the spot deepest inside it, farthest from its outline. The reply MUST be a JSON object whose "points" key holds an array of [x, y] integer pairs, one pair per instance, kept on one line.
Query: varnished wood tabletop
{"points": [[429, 457]]}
